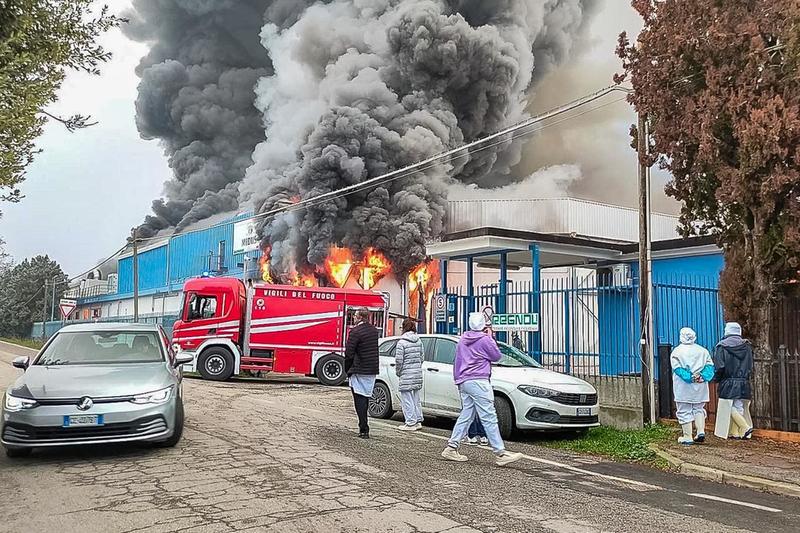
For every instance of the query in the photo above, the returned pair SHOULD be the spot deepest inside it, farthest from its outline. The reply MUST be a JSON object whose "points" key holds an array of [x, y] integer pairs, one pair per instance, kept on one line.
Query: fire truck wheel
{"points": [[216, 364], [380, 405], [330, 370]]}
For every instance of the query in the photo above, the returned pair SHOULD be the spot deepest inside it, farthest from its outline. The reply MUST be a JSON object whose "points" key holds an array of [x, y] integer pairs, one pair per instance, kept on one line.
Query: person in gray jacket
{"points": [[408, 355]]}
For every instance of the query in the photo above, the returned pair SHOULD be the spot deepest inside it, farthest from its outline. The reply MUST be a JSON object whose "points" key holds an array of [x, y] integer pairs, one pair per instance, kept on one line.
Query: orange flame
{"points": [[338, 265], [375, 266], [304, 280], [264, 265], [423, 280]]}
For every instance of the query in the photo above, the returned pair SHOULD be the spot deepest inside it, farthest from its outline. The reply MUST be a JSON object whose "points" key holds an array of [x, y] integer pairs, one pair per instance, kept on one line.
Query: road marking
{"points": [[736, 502], [556, 464]]}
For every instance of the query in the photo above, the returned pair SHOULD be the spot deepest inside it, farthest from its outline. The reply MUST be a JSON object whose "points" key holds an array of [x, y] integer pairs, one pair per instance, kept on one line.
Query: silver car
{"points": [[96, 384]]}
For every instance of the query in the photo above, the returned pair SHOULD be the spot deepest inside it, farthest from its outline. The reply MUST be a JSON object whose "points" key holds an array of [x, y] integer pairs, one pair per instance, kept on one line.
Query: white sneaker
{"points": [[404, 427], [419, 425], [507, 458], [484, 441], [472, 441], [451, 454]]}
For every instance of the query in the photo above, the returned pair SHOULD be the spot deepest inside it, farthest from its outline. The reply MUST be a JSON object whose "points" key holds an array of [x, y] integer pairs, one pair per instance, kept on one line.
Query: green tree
{"points": [[718, 81], [39, 41], [22, 294]]}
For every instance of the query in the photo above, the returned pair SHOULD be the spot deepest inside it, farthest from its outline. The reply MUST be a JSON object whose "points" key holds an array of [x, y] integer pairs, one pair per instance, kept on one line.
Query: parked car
{"points": [[96, 384], [527, 396]]}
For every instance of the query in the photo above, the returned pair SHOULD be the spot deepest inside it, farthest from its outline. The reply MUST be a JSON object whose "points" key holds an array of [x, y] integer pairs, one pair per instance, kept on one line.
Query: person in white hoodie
{"points": [[692, 369]]}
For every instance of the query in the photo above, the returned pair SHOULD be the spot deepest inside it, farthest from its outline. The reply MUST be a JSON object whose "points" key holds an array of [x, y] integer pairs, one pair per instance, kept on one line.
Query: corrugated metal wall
{"points": [[558, 215], [152, 270]]}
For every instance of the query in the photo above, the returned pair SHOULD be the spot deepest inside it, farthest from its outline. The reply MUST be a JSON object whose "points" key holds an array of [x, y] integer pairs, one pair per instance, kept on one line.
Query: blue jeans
{"points": [[477, 398], [476, 429]]}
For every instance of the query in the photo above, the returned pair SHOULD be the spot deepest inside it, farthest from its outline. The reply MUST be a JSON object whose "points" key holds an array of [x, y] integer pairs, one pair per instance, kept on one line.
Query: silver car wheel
{"points": [[378, 402]]}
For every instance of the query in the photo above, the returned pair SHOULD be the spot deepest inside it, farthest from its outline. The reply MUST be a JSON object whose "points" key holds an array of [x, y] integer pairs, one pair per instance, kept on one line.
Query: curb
{"points": [[19, 346], [728, 478]]}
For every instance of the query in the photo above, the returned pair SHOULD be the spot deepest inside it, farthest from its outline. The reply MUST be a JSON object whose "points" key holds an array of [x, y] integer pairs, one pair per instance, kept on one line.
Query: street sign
{"points": [[440, 308], [245, 236], [67, 307], [516, 322]]}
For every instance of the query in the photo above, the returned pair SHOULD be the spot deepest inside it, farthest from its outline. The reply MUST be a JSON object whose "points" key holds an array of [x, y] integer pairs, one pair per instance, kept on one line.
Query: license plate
{"points": [[584, 411], [83, 421]]}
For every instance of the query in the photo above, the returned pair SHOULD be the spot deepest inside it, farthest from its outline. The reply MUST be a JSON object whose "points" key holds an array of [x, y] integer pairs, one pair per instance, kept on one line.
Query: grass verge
{"points": [[632, 445], [28, 343]]}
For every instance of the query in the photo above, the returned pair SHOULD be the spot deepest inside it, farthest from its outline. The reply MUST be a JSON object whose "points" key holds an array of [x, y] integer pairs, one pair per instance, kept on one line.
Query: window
{"points": [[165, 340], [445, 352], [514, 357], [427, 347], [375, 318], [201, 307], [103, 347], [386, 349]]}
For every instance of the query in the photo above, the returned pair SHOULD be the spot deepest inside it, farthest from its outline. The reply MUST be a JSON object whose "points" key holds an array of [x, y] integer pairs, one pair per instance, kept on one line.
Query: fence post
{"points": [[534, 304], [502, 297], [784, 388], [567, 331]]}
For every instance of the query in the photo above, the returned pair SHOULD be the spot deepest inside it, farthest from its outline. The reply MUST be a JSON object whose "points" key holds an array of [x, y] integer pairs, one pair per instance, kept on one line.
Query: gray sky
{"points": [[86, 190]]}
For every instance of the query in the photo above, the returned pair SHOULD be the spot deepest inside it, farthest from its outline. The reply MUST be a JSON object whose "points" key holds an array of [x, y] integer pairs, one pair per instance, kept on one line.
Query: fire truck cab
{"points": [[233, 329]]}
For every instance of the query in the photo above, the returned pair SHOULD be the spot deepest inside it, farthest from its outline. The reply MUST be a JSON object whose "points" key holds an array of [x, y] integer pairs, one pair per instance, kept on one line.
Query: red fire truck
{"points": [[232, 328]]}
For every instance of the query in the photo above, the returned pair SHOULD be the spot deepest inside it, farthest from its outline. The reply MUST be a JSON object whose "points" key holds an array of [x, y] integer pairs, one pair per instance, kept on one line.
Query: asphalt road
{"points": [[282, 456]]}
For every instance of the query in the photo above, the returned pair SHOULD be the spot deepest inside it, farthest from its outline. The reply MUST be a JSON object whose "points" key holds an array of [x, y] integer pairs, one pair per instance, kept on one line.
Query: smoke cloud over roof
{"points": [[262, 103]]}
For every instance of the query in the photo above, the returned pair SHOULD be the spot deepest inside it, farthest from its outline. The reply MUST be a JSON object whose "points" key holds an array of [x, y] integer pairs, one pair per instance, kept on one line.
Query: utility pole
{"points": [[645, 271], [53, 301], [135, 276], [44, 312]]}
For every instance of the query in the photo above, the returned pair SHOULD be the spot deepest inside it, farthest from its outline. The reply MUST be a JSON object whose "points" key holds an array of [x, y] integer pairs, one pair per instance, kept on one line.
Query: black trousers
{"points": [[362, 406]]}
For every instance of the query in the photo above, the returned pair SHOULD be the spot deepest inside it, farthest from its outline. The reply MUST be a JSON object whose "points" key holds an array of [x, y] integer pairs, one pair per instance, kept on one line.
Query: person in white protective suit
{"points": [[692, 369]]}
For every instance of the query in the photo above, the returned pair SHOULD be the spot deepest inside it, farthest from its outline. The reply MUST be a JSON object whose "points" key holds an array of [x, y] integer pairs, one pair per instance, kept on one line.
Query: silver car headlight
{"points": [[14, 404], [155, 397], [538, 392]]}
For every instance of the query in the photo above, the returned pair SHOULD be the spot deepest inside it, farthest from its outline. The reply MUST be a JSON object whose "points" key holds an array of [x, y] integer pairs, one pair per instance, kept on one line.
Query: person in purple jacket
{"points": [[476, 352]]}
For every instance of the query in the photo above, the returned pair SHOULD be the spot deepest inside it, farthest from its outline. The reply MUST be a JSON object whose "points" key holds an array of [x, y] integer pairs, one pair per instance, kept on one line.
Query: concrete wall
{"points": [[620, 401]]}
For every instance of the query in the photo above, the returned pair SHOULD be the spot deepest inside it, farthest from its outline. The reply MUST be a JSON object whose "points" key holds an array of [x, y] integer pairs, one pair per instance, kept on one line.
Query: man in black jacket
{"points": [[361, 365], [733, 365]]}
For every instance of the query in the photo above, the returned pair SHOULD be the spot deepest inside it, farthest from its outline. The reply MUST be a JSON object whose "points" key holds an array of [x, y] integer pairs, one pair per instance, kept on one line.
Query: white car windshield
{"points": [[513, 357], [106, 347]]}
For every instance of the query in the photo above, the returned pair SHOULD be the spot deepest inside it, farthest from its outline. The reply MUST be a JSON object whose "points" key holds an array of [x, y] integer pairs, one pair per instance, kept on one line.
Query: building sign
{"points": [[516, 322], [245, 236]]}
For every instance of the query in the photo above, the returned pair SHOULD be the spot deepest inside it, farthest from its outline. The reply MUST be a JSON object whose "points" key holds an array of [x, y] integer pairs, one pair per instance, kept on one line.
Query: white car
{"points": [[527, 396]]}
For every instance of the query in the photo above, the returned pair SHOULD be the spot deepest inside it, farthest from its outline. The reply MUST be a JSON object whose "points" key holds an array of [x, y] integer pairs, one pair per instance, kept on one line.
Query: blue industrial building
{"points": [[580, 277]]}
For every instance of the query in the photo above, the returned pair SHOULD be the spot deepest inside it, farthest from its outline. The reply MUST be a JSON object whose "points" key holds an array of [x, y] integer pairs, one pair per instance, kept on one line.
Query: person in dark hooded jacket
{"points": [[733, 365]]}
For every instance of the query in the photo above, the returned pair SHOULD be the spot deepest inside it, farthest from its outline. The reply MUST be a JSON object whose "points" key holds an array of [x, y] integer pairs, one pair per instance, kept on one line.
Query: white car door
{"points": [[386, 354], [439, 391]]}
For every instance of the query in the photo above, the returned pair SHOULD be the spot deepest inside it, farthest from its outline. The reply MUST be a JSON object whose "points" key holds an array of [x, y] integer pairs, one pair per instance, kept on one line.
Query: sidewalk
{"points": [[758, 463]]}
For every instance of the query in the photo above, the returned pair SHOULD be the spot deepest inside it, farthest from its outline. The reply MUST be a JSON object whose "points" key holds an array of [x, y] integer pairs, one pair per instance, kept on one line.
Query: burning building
{"points": [[262, 103]]}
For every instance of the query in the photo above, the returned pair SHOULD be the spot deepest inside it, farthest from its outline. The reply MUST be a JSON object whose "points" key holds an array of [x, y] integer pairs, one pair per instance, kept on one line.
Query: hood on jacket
{"points": [[736, 345], [410, 336], [733, 328], [477, 322], [471, 337], [688, 336]]}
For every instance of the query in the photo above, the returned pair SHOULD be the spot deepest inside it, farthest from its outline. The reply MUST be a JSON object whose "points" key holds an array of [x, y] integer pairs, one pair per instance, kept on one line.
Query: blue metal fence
{"points": [[589, 323], [166, 321]]}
